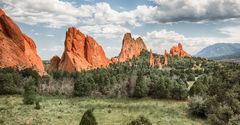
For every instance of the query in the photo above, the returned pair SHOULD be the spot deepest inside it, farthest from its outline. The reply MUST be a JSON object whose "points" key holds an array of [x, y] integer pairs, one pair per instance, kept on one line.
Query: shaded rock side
{"points": [[54, 63]]}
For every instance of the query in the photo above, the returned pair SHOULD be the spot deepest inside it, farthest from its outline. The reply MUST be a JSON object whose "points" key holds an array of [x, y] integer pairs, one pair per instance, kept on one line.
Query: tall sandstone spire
{"points": [[16, 48], [81, 53], [151, 58], [131, 48], [165, 61]]}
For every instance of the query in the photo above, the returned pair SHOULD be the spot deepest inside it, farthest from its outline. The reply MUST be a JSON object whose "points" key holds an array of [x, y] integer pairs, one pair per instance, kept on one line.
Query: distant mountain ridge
{"points": [[220, 50]]}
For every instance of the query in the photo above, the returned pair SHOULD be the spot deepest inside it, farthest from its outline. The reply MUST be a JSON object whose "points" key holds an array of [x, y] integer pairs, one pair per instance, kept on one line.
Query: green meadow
{"points": [[69, 110]]}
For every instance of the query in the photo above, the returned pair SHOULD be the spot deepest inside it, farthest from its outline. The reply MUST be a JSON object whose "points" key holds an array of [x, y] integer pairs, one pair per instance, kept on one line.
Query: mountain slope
{"points": [[219, 49]]}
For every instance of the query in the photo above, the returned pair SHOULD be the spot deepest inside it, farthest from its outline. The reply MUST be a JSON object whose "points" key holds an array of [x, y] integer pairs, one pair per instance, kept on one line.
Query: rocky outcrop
{"points": [[81, 53], [16, 48], [154, 61], [165, 57], [157, 63], [95, 54], [178, 50], [151, 59], [114, 60], [131, 48], [54, 62]]}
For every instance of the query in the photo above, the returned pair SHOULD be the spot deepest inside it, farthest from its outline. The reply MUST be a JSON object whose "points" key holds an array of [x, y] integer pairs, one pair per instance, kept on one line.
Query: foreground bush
{"points": [[88, 118], [30, 93], [141, 120], [197, 107]]}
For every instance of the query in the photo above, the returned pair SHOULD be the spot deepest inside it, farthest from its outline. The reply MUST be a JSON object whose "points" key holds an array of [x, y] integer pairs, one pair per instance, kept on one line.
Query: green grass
{"points": [[68, 111]]}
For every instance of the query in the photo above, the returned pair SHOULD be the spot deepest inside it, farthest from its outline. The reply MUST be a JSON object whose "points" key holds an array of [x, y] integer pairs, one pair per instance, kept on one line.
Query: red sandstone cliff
{"points": [[81, 53], [17, 49], [131, 48]]}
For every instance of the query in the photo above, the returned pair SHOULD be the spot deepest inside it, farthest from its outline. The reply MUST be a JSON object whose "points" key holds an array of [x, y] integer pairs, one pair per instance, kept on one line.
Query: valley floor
{"points": [[68, 111]]}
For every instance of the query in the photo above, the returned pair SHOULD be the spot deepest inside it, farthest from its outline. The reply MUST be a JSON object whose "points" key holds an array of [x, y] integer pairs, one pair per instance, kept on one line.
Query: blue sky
{"points": [[161, 23]]}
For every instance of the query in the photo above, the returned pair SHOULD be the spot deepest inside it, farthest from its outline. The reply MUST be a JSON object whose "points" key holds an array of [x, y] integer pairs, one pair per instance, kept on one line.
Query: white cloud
{"points": [[52, 13], [165, 36], [232, 33], [112, 51], [56, 13], [57, 48], [105, 31], [50, 35], [196, 10], [163, 39]]}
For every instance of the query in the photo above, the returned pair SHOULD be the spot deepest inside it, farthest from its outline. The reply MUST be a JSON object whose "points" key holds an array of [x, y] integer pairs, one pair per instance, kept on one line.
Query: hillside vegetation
{"points": [[211, 88]]}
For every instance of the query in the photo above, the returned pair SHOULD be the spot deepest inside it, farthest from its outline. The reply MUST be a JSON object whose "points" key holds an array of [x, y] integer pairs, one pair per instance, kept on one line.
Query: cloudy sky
{"points": [[161, 23]]}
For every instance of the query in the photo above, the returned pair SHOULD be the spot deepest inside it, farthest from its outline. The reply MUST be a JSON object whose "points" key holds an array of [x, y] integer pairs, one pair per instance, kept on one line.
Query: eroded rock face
{"points": [[178, 50], [131, 48], [81, 53], [95, 54], [73, 58], [157, 62], [54, 62], [17, 49], [114, 60], [165, 61], [151, 59]]}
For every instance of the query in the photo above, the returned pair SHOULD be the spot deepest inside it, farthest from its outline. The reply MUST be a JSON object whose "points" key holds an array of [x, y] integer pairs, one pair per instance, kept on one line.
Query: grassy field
{"points": [[68, 111]]}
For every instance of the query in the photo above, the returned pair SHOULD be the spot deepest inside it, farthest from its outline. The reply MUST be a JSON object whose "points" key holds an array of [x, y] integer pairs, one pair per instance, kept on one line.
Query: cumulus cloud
{"points": [[105, 31], [232, 33], [164, 39], [196, 10], [52, 13], [56, 13]]}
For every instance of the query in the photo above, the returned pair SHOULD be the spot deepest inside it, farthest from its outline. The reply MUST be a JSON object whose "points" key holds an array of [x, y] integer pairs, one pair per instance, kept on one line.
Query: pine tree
{"points": [[88, 118]]}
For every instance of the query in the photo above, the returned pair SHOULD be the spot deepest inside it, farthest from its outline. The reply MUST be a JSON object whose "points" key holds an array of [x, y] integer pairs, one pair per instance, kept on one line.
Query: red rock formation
{"points": [[131, 48], [157, 62], [151, 59], [81, 53], [73, 58], [95, 54], [165, 61], [17, 49], [54, 62], [178, 50], [114, 60]]}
